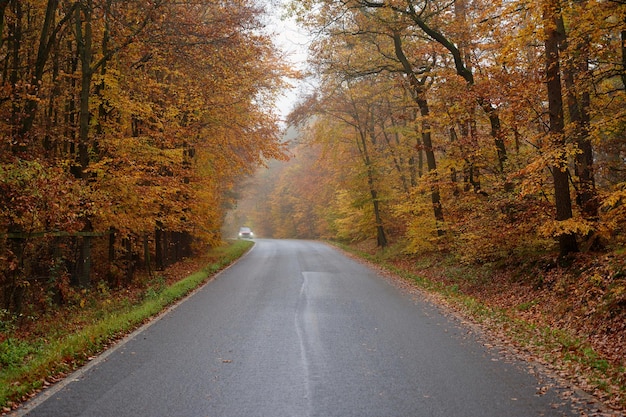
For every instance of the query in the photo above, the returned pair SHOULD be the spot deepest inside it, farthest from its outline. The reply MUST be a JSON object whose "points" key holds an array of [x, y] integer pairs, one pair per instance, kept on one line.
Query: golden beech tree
{"points": [[551, 10]]}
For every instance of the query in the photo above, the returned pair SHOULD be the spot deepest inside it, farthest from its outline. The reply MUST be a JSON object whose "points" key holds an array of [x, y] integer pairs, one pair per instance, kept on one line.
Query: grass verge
{"points": [[29, 362]]}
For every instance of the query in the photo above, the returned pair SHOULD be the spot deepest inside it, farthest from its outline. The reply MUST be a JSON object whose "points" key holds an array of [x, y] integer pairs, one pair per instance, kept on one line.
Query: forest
{"points": [[488, 129], [125, 127]]}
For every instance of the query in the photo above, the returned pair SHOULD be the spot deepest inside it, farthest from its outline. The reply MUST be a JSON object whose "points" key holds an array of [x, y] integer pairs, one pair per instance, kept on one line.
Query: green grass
{"points": [[26, 365]]}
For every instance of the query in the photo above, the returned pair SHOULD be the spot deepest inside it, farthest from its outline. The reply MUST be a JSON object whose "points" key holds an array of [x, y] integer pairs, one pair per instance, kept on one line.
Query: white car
{"points": [[245, 233]]}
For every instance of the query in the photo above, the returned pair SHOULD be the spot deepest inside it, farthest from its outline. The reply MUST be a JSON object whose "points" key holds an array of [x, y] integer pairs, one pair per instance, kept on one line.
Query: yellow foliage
{"points": [[556, 228], [616, 199], [353, 221]]}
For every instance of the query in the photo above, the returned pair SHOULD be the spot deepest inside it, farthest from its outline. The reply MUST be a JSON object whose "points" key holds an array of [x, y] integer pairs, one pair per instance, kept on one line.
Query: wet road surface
{"points": [[297, 329]]}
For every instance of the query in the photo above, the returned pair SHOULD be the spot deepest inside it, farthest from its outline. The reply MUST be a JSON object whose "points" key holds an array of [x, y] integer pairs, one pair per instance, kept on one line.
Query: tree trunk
{"points": [[567, 241], [102, 108], [419, 97], [85, 53], [398, 160], [3, 8], [381, 237], [14, 77], [623, 72], [12, 284], [51, 141], [432, 165], [70, 121], [42, 57], [159, 255], [83, 269], [578, 106], [146, 254], [84, 40]]}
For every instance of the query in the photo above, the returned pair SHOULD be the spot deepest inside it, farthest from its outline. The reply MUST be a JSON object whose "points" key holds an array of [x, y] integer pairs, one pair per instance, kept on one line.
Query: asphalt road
{"points": [[297, 329]]}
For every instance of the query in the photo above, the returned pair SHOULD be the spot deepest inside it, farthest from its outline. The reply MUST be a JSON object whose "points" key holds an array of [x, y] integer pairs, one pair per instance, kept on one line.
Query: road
{"points": [[297, 329]]}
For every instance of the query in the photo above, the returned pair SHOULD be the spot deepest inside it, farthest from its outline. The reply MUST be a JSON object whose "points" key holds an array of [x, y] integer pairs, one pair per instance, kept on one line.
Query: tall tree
{"points": [[577, 82], [419, 95], [425, 14], [560, 175], [356, 105]]}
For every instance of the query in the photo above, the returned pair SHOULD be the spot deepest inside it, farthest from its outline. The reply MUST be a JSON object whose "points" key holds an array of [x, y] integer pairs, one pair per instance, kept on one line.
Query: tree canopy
{"points": [[130, 120], [486, 128]]}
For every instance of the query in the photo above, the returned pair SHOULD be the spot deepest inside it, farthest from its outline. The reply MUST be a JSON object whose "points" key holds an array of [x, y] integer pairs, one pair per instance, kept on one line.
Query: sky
{"points": [[294, 41]]}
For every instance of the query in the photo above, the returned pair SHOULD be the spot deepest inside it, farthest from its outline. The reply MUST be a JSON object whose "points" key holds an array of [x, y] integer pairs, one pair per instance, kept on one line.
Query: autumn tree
{"points": [[567, 240], [355, 105]]}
